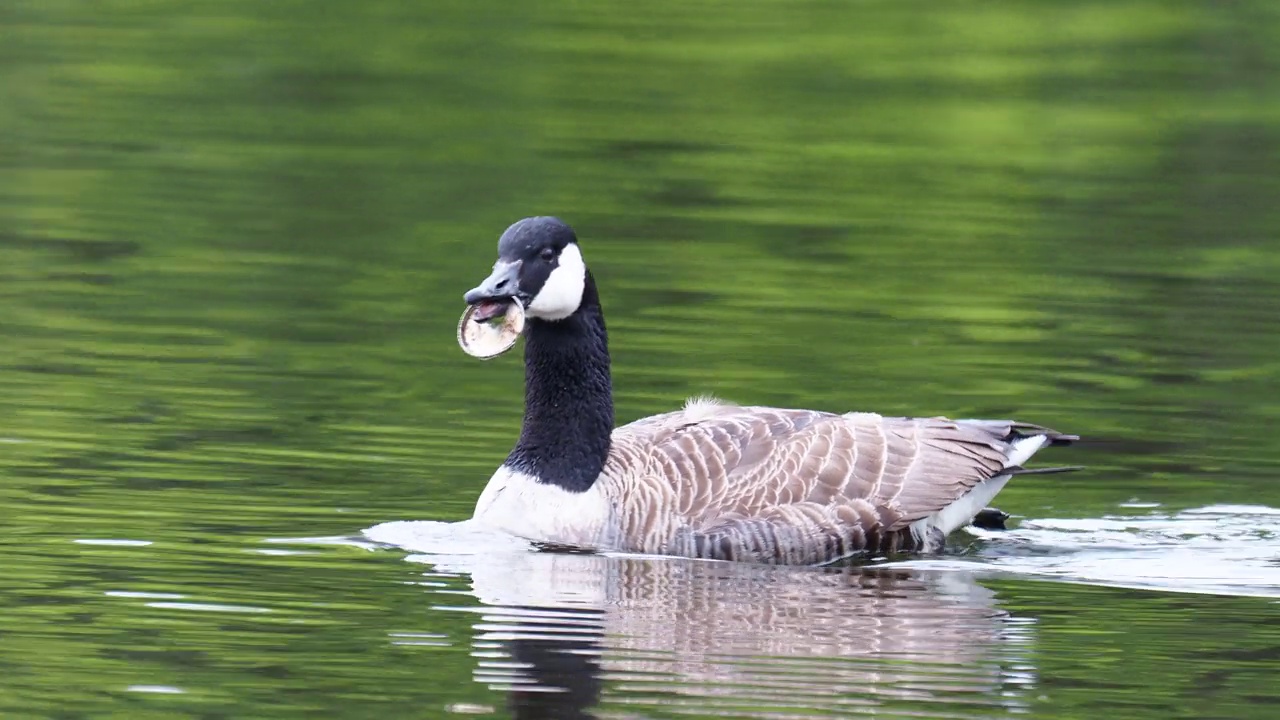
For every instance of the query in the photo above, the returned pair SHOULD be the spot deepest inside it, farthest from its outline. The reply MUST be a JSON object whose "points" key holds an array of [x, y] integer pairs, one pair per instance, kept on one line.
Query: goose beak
{"points": [[493, 296]]}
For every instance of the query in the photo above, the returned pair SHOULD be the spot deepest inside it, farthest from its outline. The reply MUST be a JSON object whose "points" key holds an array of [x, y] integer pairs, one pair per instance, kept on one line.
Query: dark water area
{"points": [[234, 237]]}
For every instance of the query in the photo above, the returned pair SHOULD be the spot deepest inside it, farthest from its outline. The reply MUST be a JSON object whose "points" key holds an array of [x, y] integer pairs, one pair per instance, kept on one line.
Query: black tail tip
{"points": [[1019, 470]]}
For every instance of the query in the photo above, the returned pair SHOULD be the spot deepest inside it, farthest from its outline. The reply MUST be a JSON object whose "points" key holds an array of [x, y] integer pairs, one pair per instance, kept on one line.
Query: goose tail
{"points": [[1019, 430], [1019, 470]]}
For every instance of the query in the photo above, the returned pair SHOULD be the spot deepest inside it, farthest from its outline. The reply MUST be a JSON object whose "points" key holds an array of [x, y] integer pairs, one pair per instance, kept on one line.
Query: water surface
{"points": [[233, 242]]}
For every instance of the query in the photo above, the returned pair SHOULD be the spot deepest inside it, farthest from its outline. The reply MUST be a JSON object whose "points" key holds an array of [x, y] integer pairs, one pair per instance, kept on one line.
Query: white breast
{"points": [[520, 505]]}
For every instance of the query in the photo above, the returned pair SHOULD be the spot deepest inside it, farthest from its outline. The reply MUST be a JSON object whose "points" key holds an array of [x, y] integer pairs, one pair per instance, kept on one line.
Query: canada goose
{"points": [[713, 480]]}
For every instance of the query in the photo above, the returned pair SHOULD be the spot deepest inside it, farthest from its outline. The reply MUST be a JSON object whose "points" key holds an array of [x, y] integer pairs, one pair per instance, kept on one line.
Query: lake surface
{"points": [[237, 436]]}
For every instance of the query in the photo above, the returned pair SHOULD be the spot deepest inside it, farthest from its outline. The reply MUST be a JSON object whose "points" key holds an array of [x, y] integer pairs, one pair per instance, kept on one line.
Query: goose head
{"points": [[539, 264]]}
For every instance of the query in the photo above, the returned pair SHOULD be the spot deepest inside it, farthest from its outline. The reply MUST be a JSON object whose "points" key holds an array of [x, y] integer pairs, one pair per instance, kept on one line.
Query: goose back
{"points": [[801, 486]]}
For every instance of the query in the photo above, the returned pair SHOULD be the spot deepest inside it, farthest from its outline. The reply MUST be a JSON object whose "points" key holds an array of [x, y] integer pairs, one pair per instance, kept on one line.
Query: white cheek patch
{"points": [[561, 294]]}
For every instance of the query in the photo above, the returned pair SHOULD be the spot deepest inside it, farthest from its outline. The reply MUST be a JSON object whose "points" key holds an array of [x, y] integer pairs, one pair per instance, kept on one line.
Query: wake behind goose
{"points": [[1216, 550]]}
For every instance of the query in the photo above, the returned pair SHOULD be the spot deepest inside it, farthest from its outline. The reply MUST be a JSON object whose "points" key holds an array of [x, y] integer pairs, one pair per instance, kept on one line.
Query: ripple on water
{"points": [[158, 689], [208, 607]]}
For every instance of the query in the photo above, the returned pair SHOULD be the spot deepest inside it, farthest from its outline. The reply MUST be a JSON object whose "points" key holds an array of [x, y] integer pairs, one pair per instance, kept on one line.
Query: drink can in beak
{"points": [[487, 330]]}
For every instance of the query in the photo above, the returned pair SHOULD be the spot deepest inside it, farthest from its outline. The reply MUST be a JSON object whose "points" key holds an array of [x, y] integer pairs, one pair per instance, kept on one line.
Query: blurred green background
{"points": [[234, 237]]}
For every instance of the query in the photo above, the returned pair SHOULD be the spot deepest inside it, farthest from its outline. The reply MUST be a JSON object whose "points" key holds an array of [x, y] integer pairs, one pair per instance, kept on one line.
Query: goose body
{"points": [[714, 480]]}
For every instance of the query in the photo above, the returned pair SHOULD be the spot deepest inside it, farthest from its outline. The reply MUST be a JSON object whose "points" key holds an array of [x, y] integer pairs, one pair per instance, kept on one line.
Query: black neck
{"points": [[568, 398]]}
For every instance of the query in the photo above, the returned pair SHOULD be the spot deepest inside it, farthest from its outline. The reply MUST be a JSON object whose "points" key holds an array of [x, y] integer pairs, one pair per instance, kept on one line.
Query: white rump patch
{"points": [[962, 511], [561, 294], [1021, 451]]}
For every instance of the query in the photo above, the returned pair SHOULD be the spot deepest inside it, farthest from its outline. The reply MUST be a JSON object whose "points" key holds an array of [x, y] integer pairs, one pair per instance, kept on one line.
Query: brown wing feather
{"points": [[761, 483]]}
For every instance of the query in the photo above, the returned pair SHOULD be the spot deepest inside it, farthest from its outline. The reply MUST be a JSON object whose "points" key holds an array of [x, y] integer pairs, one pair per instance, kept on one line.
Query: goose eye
{"points": [[547, 254]]}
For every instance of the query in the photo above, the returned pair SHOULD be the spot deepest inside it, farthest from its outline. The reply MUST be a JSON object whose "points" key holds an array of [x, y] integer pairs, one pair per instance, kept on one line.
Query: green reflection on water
{"points": [[234, 237]]}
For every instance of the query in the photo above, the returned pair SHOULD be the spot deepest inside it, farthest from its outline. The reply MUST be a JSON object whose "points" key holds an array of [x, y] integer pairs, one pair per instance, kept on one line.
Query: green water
{"points": [[234, 236]]}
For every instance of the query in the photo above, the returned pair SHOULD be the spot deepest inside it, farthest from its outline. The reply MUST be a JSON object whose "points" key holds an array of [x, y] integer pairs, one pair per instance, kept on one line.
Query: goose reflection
{"points": [[568, 635]]}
